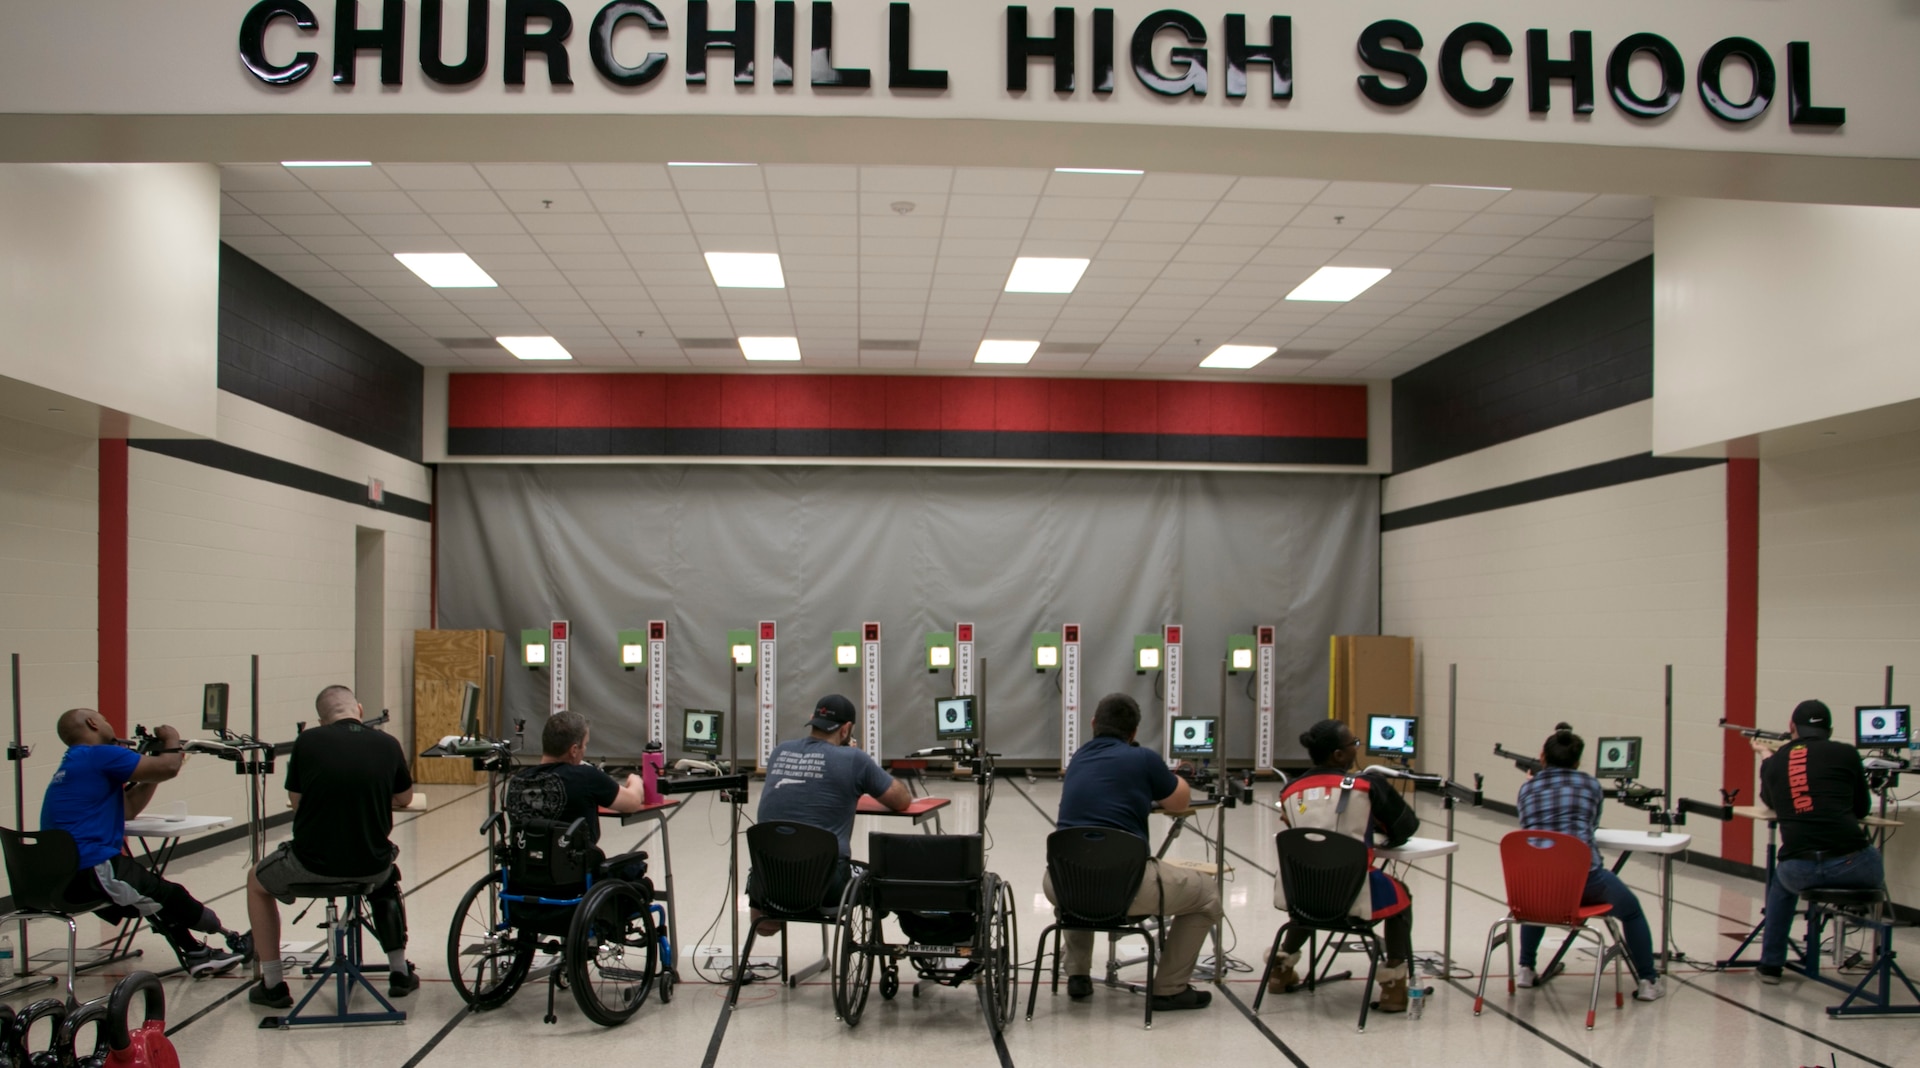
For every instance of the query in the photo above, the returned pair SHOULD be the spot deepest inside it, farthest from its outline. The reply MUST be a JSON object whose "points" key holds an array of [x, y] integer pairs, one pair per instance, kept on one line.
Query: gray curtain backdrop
{"points": [[820, 549]]}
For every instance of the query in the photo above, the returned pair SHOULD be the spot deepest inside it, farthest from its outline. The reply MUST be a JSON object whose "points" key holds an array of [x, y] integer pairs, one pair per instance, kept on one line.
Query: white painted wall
{"points": [[109, 286], [1771, 315], [1567, 609], [221, 566], [49, 595], [1840, 593]]}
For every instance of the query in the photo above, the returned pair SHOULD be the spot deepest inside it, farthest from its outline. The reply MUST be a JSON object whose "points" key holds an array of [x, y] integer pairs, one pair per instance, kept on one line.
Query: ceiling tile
{"points": [[522, 176]]}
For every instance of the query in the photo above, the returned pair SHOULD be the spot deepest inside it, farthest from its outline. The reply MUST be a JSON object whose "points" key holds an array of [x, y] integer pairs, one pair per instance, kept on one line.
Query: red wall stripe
{"points": [[112, 555], [906, 402], [1743, 646]]}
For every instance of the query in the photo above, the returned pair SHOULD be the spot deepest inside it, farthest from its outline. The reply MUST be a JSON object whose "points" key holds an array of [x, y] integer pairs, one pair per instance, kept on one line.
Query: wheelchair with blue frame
{"points": [[958, 919], [553, 894]]}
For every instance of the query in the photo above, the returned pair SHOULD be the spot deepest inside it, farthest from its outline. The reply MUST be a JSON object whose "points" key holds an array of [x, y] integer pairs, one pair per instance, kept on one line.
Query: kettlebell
{"points": [[93, 1012], [52, 1009], [146, 1046], [10, 1055]]}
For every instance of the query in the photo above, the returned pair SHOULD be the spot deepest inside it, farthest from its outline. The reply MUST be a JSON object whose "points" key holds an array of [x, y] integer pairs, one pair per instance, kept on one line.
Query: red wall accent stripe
{"points": [[906, 402], [112, 554], [1743, 646]]}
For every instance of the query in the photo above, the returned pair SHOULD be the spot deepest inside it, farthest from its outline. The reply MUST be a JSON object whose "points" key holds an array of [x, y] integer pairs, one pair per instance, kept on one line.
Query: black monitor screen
{"points": [[213, 707], [953, 718], [1617, 758], [1390, 735], [701, 731], [1193, 737], [1883, 727], [470, 711]]}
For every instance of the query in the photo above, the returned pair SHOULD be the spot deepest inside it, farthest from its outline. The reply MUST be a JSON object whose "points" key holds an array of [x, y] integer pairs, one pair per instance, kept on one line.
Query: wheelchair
{"points": [[958, 919], [553, 894]]}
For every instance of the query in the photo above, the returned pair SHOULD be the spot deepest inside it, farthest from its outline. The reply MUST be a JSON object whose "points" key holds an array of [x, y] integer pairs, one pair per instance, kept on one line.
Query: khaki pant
{"points": [[1191, 906]]}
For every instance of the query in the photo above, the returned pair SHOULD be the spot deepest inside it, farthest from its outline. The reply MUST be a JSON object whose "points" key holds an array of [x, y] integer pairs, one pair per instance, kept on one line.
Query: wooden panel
{"points": [[444, 661], [1372, 675]]}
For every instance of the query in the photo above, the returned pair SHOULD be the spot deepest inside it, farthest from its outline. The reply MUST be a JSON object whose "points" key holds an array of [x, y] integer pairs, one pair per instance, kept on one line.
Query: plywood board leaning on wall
{"points": [[444, 661], [1372, 675]]}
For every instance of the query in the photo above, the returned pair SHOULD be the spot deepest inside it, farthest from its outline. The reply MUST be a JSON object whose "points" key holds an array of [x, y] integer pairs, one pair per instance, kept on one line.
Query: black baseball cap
{"points": [[1813, 716], [832, 712]]}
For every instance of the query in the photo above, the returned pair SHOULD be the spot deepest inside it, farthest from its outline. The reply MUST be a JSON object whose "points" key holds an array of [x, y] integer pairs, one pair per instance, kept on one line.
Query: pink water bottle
{"points": [[652, 763]]}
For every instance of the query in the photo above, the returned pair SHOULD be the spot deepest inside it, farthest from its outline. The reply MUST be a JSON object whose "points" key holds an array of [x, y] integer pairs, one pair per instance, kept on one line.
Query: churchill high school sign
{"points": [[632, 44]]}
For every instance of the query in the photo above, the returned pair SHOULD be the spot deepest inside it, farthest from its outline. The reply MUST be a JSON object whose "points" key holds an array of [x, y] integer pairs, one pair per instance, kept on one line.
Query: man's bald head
{"points": [[336, 702], [83, 726]]}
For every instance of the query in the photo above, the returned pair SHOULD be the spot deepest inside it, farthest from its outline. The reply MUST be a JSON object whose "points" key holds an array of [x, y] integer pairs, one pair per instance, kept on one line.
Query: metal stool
{"points": [[343, 961], [1869, 909]]}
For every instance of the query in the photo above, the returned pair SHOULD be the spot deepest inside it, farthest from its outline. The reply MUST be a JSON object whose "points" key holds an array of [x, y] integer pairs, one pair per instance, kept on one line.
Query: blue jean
{"points": [[1605, 888], [1860, 870]]}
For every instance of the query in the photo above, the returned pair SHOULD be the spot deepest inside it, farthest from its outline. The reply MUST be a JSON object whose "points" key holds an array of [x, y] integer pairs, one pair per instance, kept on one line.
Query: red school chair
{"points": [[1546, 874]]}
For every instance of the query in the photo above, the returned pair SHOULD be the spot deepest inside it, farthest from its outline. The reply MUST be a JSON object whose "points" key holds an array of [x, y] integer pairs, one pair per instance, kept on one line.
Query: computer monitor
{"points": [[1391, 735], [1617, 758], [1883, 726], [470, 710], [953, 718], [1193, 737], [701, 731], [213, 708]]}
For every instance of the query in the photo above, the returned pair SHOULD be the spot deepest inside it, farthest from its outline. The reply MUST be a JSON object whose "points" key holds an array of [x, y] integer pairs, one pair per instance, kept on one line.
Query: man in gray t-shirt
{"points": [[818, 780]]}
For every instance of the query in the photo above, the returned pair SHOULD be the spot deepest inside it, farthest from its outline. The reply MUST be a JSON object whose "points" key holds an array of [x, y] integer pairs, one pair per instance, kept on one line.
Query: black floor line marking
{"points": [[205, 1009], [417, 887], [1532, 1030], [1822, 1039], [1000, 1039], [1261, 1026], [445, 1030]]}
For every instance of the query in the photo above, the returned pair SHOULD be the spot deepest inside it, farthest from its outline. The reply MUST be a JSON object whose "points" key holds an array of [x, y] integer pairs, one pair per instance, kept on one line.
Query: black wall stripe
{"points": [[239, 461], [915, 444], [1589, 352], [1560, 484]]}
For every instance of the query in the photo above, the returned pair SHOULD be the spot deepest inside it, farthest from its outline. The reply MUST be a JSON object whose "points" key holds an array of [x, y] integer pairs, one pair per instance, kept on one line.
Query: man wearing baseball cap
{"points": [[818, 780], [1818, 790]]}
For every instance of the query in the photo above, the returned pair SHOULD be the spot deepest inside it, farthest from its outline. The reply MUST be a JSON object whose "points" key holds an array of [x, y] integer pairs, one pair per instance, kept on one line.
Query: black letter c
{"points": [[253, 41]]}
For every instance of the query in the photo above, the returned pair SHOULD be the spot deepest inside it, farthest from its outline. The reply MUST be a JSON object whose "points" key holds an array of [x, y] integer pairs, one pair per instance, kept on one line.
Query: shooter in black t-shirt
{"points": [[1817, 789], [564, 788], [344, 779]]}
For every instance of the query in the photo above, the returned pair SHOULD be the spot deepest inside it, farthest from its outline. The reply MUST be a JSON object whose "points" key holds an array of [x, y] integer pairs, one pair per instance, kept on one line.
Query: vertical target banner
{"points": [[657, 681], [1173, 679], [1069, 692], [963, 659], [557, 666], [870, 688], [1263, 683], [767, 694]]}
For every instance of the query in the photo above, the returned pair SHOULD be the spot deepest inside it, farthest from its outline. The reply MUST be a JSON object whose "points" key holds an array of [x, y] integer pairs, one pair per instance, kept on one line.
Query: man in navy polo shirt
{"points": [[1112, 782]]}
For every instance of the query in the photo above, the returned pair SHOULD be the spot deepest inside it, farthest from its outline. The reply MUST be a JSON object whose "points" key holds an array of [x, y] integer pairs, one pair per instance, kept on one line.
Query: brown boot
{"points": [[1393, 989], [1283, 979]]}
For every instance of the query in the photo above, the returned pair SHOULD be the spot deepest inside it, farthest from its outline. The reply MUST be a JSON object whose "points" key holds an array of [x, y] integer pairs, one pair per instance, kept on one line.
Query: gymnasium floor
{"points": [[1706, 1019]]}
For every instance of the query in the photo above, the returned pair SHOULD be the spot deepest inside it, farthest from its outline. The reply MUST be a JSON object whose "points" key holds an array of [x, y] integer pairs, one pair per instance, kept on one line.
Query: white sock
{"points": [[397, 961], [271, 973]]}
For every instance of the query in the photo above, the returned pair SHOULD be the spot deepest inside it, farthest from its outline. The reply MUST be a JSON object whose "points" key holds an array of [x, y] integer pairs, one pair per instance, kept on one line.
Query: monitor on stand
{"points": [[1883, 727], [1617, 758], [213, 709], [1193, 738], [470, 710], [1391, 736], [701, 732], [953, 719]]}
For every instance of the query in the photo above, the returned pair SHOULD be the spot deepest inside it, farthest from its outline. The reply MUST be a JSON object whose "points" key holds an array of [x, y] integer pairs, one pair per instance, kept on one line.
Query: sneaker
{"points": [[240, 942], [400, 984], [1079, 987], [1525, 977], [1185, 999], [1650, 990], [276, 996], [202, 961], [1769, 974]]}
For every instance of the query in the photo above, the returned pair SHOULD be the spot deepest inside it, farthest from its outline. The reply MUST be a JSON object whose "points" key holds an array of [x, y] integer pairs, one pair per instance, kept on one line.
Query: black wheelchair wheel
{"points": [[1000, 939], [853, 952], [611, 952], [889, 982], [487, 959], [666, 986]]}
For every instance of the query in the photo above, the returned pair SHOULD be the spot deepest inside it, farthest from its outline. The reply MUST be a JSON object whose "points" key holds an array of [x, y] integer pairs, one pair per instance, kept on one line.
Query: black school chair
{"points": [[1323, 874], [40, 867], [1096, 873]]}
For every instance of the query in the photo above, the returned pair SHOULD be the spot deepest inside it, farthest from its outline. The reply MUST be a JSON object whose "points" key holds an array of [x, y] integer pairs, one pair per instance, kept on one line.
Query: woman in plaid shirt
{"points": [[1561, 797]]}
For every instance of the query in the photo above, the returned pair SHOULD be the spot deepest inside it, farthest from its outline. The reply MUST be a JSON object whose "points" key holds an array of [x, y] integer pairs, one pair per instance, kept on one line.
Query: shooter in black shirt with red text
{"points": [[1817, 789]]}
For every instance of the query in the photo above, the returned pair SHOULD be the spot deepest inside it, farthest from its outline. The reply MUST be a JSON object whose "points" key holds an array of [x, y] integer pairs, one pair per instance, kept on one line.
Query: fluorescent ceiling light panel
{"points": [[746, 270], [1238, 357], [326, 163], [534, 348], [770, 348], [699, 164], [1005, 351], [1338, 283], [1094, 170], [447, 270], [1484, 188], [1044, 274]]}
